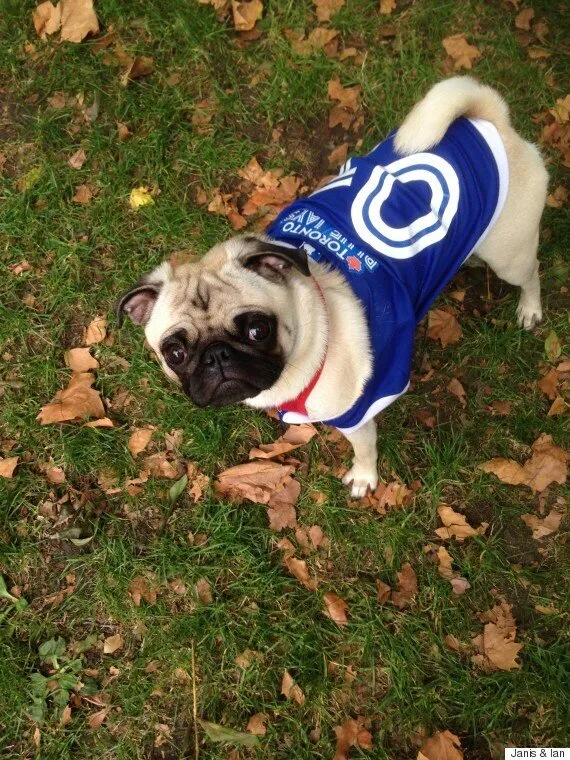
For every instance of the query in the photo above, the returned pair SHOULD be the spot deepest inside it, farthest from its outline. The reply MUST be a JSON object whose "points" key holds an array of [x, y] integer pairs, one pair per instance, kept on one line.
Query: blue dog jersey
{"points": [[399, 228]]}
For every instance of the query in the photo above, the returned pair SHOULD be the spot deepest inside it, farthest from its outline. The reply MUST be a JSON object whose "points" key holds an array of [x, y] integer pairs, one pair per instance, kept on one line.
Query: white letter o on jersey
{"points": [[405, 242]]}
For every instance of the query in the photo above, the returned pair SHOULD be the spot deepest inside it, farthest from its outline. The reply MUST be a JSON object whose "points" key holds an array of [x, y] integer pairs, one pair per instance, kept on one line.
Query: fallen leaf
{"points": [[295, 436], [351, 733], [443, 745], [123, 131], [501, 408], [7, 467], [318, 39], [77, 160], [383, 592], [456, 525], [245, 658], [337, 156], [394, 494], [80, 360], [559, 407], [552, 346], [95, 332], [47, 18], [140, 196], [158, 466], [497, 647], [336, 608], [547, 465], [291, 690], [281, 506], [387, 6], [327, 8], [407, 587], [461, 52], [217, 733], [142, 588], [558, 197], [82, 195], [139, 440], [256, 724], [455, 387], [204, 591], [255, 481], [245, 14], [197, 481], [348, 103], [298, 568], [78, 20], [104, 422], [78, 401], [443, 326], [55, 475], [97, 719], [459, 584], [112, 643], [543, 526], [140, 66], [65, 716], [549, 383], [523, 19]]}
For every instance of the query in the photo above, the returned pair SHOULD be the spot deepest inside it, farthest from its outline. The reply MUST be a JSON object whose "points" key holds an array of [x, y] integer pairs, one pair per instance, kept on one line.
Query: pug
{"points": [[317, 317]]}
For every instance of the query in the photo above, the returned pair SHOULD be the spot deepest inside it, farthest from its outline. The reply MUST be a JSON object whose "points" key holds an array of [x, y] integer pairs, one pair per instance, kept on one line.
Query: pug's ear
{"points": [[137, 304], [273, 260]]}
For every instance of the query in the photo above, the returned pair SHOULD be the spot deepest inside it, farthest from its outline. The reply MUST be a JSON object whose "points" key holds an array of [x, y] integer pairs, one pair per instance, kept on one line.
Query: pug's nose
{"points": [[216, 353]]}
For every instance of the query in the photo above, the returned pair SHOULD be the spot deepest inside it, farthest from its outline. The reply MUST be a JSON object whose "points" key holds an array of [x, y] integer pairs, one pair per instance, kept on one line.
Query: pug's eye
{"points": [[175, 354], [258, 330]]}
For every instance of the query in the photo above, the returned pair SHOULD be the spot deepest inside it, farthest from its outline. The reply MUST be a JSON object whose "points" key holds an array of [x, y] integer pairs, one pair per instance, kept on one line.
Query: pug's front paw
{"points": [[361, 479]]}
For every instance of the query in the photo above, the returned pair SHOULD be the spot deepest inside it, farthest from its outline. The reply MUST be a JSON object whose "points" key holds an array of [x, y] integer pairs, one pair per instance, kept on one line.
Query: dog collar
{"points": [[297, 404]]}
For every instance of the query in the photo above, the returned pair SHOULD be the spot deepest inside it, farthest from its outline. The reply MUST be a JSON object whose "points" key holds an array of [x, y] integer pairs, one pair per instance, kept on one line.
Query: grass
{"points": [[407, 680]]}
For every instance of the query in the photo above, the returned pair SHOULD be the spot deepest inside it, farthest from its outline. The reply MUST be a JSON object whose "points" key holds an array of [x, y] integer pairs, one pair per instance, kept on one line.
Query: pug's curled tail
{"points": [[428, 121]]}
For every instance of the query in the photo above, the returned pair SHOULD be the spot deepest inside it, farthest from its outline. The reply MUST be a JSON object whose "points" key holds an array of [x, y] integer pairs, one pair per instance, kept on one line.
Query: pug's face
{"points": [[224, 327]]}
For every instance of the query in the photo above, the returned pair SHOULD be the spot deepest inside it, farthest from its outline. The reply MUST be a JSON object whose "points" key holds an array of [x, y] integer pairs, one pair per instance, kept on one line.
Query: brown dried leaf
{"points": [[82, 195], [318, 39], [245, 658], [549, 384], [461, 52], [78, 20], [47, 18], [139, 440], [77, 160], [500, 408], [142, 588], [523, 19], [78, 401], [295, 436], [443, 326], [336, 608], [543, 526], [80, 360], [383, 592], [387, 6], [158, 466], [7, 467], [245, 14], [407, 587], [298, 568], [291, 690], [281, 506], [459, 584], [327, 8], [456, 525], [441, 746], [140, 66], [394, 494], [337, 156], [112, 643], [455, 387], [351, 733], [256, 724], [55, 475], [204, 591], [559, 407], [496, 644], [547, 465], [255, 481], [558, 197], [197, 481], [95, 332]]}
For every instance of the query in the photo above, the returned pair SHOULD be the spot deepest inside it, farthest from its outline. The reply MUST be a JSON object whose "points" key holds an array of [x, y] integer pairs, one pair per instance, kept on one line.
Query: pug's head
{"points": [[224, 327]]}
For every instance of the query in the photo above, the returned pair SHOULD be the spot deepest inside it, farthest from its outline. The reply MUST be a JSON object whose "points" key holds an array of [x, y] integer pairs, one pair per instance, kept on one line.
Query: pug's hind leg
{"points": [[363, 474]]}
